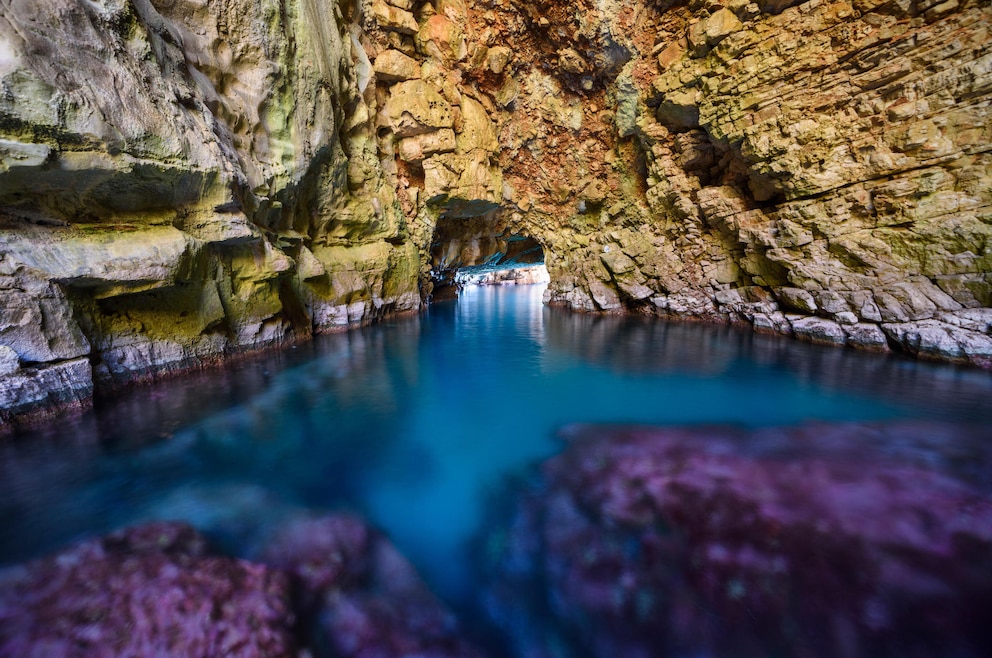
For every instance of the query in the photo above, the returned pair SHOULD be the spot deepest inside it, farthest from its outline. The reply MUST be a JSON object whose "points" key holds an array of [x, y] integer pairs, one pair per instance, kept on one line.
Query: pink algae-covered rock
{"points": [[327, 585], [849, 540], [144, 591], [362, 597]]}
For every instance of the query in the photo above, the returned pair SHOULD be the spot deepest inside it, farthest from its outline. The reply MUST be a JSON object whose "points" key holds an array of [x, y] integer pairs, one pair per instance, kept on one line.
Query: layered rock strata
{"points": [[182, 180]]}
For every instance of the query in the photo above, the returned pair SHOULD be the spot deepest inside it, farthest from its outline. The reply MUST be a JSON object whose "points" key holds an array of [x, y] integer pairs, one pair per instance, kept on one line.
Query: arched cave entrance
{"points": [[482, 251]]}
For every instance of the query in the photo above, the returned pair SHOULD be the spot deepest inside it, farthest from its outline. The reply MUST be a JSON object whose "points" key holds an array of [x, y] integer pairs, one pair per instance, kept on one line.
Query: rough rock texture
{"points": [[146, 591], [846, 540], [180, 180], [317, 586], [360, 595]]}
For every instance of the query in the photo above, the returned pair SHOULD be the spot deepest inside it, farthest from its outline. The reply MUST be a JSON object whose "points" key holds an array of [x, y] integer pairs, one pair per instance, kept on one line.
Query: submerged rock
{"points": [[314, 586], [851, 540], [145, 591], [361, 597]]}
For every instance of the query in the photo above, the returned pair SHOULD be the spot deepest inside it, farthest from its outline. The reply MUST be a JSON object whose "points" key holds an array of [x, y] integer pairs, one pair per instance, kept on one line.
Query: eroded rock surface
{"points": [[181, 180]]}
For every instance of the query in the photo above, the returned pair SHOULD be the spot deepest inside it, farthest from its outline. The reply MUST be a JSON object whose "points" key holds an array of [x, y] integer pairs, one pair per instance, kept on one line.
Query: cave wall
{"points": [[181, 180]]}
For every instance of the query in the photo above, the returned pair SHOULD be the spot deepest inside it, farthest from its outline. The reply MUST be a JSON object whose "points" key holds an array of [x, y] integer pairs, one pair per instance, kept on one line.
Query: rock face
{"points": [[813, 541], [182, 180]]}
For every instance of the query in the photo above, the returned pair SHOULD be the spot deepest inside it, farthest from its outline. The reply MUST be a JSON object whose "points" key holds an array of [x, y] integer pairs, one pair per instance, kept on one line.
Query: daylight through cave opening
{"points": [[482, 251]]}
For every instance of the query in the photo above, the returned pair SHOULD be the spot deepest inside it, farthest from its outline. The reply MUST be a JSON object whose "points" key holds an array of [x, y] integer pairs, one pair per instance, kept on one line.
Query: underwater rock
{"points": [[820, 540], [325, 585], [361, 597], [145, 591]]}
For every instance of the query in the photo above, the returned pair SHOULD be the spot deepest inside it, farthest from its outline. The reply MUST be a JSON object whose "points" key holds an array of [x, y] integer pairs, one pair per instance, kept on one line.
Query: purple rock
{"points": [[363, 597], [144, 591], [850, 540]]}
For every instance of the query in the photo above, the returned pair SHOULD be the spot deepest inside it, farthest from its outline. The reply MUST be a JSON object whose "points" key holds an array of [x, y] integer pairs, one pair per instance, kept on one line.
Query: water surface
{"points": [[415, 422]]}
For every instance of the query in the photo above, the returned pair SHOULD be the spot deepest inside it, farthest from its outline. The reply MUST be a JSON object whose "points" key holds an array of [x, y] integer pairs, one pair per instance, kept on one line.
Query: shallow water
{"points": [[416, 422]]}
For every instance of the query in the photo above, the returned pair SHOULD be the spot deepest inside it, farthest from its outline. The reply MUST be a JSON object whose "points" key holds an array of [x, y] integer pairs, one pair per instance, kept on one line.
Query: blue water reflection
{"points": [[417, 421]]}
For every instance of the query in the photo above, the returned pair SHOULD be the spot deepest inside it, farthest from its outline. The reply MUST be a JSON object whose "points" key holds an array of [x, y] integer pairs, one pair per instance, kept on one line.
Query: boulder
{"points": [[943, 341], [818, 330]]}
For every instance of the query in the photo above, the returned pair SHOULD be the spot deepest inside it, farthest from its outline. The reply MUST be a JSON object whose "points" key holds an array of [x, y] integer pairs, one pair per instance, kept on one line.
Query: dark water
{"points": [[416, 422]]}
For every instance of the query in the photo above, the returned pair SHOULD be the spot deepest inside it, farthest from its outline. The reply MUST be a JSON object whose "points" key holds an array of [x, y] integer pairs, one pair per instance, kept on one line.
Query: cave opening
{"points": [[482, 251]]}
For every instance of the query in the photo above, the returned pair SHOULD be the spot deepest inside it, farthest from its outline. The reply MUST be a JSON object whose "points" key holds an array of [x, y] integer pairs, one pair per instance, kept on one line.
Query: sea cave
{"points": [[487, 328]]}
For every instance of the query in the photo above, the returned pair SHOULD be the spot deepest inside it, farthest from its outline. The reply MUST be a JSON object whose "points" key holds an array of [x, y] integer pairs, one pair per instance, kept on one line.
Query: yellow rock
{"points": [[394, 66], [414, 107]]}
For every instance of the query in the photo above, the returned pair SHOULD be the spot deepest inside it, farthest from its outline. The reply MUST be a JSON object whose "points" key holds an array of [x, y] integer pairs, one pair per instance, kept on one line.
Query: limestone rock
{"points": [[393, 18], [110, 263], [939, 340], [497, 59], [819, 330], [45, 389], [442, 39], [394, 66], [798, 299], [417, 147], [866, 336], [414, 107], [160, 162], [477, 130], [710, 31], [9, 363], [466, 185], [974, 319]]}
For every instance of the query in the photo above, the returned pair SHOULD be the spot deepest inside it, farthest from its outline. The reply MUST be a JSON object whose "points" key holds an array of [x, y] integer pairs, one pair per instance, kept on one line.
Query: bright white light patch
{"points": [[8, 58]]}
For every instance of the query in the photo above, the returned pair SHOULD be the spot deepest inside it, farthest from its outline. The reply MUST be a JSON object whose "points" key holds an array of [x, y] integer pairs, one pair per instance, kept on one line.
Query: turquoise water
{"points": [[418, 421]]}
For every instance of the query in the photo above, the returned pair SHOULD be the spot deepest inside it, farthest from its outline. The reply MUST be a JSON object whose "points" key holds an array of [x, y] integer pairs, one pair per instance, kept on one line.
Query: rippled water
{"points": [[417, 421]]}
